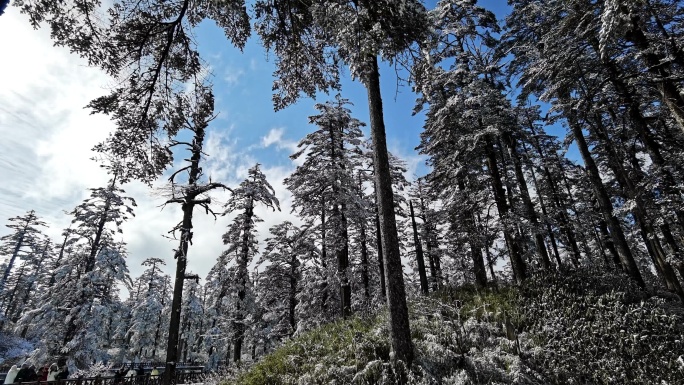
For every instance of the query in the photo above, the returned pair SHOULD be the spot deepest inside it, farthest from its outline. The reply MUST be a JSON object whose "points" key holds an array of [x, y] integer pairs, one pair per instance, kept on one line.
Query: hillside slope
{"points": [[575, 328]]}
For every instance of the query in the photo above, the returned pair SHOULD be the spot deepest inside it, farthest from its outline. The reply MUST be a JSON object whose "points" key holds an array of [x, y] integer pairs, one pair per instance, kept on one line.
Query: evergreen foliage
{"points": [[519, 264], [512, 336]]}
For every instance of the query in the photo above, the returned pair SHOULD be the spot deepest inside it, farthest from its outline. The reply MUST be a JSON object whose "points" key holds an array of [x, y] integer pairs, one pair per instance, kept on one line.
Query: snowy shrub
{"points": [[13, 348], [600, 328], [462, 343], [97, 369], [450, 348], [579, 328]]}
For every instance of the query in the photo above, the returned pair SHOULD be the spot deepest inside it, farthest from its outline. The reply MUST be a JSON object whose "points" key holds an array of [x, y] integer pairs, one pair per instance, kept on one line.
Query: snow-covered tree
{"points": [[24, 238], [149, 48], [193, 112], [281, 280], [149, 314], [191, 329], [84, 293], [324, 185], [310, 40], [243, 245]]}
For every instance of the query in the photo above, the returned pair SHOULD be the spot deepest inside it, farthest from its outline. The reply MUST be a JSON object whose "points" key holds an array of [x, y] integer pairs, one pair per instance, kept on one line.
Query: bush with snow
{"points": [[582, 327], [13, 349], [594, 327]]}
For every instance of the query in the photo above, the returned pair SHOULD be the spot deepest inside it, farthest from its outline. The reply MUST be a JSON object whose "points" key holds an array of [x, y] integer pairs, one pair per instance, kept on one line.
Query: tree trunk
{"points": [[400, 333], [53, 275], [15, 253], [532, 217], [475, 250], [342, 252], [430, 246], [549, 230], [419, 253], [324, 257], [381, 262], [238, 323], [292, 299], [181, 255], [639, 212], [342, 233], [605, 205], [95, 247], [517, 263], [561, 212], [11, 303], [364, 261]]}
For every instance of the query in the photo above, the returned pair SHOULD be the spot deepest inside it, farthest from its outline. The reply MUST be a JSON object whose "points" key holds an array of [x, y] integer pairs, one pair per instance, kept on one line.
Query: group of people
{"points": [[133, 372], [29, 373]]}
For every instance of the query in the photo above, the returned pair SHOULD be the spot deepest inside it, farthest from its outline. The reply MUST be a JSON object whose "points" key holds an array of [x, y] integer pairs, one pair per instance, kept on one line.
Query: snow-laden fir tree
{"points": [[323, 186], [243, 245], [150, 49], [25, 236], [85, 294], [24, 286], [430, 218], [192, 113], [149, 313], [280, 282], [310, 40], [457, 77], [192, 322], [613, 119]]}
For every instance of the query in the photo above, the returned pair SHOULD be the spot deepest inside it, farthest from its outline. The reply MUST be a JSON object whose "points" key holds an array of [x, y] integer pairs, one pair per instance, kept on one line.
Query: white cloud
{"points": [[47, 135], [232, 75], [275, 138], [415, 163]]}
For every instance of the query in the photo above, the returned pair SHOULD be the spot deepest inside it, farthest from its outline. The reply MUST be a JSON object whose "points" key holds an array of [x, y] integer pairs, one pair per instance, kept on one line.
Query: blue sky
{"points": [[243, 88], [45, 156]]}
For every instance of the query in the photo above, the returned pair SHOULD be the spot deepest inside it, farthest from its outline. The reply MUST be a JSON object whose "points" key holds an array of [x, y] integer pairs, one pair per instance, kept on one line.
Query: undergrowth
{"points": [[582, 327]]}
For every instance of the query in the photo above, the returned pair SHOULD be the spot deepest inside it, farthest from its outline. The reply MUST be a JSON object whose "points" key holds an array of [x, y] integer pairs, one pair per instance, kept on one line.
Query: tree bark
{"points": [[381, 261], [532, 217], [292, 298], [605, 205], [515, 254], [238, 323], [181, 255], [419, 253], [324, 257], [364, 261], [475, 249], [341, 232], [400, 333], [343, 263]]}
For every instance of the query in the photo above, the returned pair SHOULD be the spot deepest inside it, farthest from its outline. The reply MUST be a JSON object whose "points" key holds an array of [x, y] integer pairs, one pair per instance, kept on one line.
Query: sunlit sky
{"points": [[47, 135]]}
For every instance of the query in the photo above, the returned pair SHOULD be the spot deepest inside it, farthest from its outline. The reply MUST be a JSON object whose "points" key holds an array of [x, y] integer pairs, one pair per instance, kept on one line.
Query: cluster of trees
{"points": [[501, 191]]}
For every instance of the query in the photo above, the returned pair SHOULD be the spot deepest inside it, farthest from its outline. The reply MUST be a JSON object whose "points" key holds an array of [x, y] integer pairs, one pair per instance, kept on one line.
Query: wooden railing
{"points": [[146, 364], [182, 377]]}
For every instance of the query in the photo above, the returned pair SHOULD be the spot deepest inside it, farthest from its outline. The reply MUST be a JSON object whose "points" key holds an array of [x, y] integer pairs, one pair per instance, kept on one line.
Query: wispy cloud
{"points": [[233, 75], [275, 138]]}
